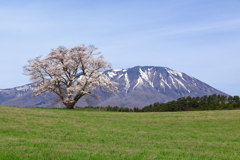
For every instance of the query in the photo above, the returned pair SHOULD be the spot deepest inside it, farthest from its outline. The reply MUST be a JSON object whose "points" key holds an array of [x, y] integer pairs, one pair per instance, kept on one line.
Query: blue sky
{"points": [[198, 37]]}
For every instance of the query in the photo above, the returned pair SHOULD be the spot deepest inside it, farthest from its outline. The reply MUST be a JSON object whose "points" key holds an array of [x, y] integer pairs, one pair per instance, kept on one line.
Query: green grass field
{"points": [[38, 133]]}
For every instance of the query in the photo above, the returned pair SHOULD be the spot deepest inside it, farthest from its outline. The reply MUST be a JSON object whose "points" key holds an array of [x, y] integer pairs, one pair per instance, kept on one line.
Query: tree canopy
{"points": [[70, 74]]}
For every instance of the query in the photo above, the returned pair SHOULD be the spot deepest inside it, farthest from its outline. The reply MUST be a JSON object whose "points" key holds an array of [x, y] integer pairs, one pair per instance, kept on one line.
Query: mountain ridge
{"points": [[138, 86]]}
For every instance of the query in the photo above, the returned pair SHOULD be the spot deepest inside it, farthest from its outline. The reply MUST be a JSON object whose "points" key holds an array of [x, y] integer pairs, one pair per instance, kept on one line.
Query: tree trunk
{"points": [[70, 105]]}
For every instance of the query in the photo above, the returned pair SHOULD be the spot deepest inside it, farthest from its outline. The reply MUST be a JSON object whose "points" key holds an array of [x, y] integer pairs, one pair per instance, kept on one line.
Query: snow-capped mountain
{"points": [[138, 87], [22, 96]]}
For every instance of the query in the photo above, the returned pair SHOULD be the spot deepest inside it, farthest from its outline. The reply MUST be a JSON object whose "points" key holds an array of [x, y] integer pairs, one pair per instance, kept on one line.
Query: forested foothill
{"points": [[210, 102]]}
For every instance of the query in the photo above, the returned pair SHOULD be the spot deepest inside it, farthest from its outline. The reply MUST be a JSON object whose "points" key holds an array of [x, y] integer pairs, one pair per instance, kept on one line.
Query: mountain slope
{"points": [[138, 87]]}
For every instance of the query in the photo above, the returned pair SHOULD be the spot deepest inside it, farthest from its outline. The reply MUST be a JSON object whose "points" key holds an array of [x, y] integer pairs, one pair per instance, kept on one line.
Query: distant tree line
{"points": [[211, 102]]}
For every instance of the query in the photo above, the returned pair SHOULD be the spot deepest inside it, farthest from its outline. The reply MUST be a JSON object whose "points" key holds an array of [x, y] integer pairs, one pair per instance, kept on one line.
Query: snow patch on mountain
{"points": [[139, 81], [120, 76], [165, 82], [179, 82], [175, 73], [119, 70], [24, 88], [111, 74], [127, 82], [116, 70], [145, 76], [162, 86]]}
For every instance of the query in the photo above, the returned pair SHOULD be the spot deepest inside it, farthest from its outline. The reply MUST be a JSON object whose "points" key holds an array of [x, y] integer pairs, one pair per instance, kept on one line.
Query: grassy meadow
{"points": [[40, 133]]}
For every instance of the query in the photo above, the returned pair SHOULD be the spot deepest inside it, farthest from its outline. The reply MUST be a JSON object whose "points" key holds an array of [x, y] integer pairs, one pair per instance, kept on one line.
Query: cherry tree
{"points": [[70, 73]]}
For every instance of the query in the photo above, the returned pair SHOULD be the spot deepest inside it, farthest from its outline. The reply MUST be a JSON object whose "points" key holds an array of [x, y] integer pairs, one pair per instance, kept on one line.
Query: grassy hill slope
{"points": [[39, 133]]}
